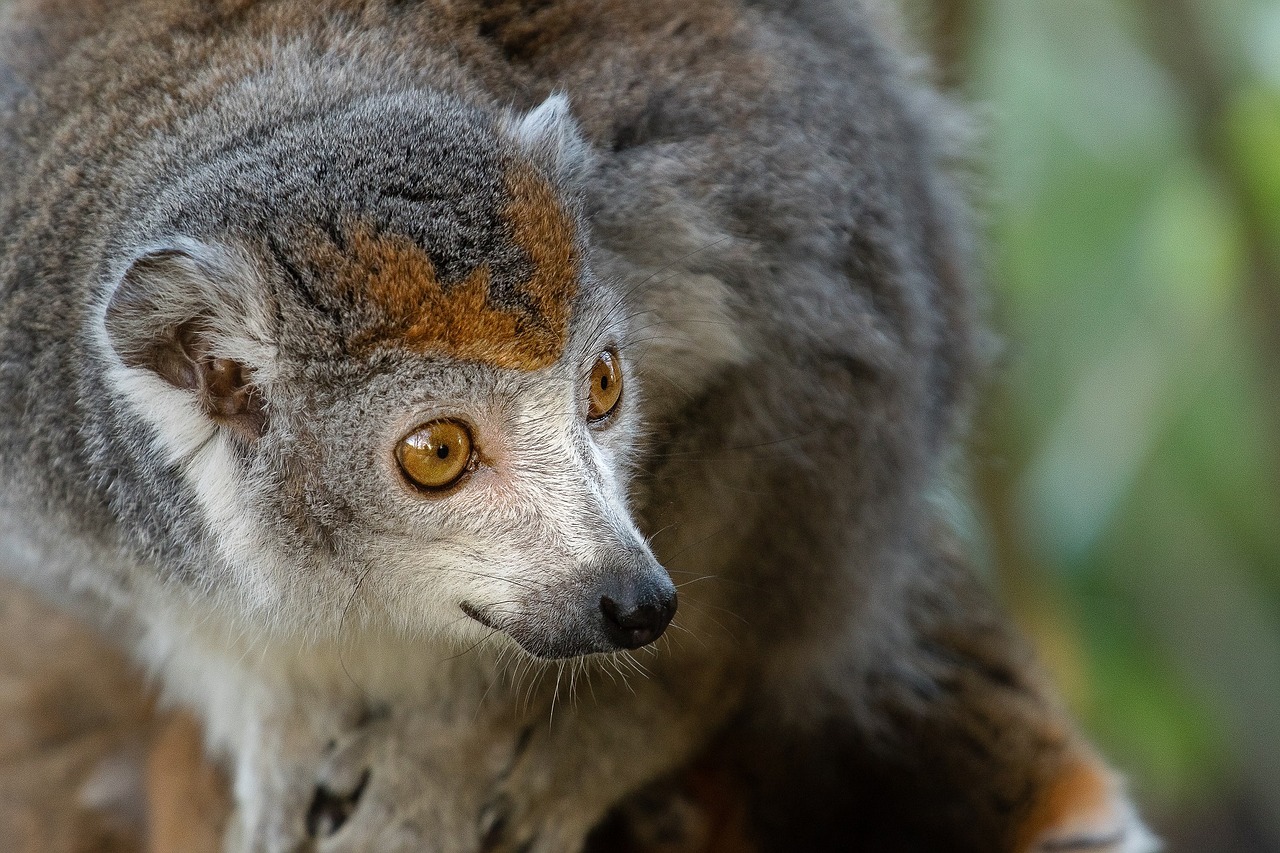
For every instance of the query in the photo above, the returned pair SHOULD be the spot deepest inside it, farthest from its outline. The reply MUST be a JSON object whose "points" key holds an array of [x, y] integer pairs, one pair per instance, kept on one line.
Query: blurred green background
{"points": [[1128, 450]]}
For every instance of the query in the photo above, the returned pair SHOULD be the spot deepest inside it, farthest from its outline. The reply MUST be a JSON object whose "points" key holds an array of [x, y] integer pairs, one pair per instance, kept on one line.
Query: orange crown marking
{"points": [[398, 300]]}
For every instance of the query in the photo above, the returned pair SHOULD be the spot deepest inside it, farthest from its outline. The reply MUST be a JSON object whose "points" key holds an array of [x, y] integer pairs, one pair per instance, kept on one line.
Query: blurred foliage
{"points": [[1129, 453]]}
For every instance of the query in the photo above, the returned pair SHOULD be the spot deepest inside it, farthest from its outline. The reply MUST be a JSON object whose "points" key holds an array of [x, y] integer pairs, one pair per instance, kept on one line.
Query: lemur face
{"points": [[486, 500], [399, 399]]}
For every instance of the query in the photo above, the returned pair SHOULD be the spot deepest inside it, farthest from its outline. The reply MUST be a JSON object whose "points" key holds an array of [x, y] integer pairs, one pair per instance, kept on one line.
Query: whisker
{"points": [[342, 621]]}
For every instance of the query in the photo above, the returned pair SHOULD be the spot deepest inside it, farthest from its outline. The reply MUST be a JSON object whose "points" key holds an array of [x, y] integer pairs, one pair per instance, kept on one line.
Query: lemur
{"points": [[519, 424]]}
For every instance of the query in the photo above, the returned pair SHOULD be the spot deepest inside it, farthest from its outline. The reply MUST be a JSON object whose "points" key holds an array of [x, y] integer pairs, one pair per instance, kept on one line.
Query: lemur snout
{"points": [[637, 612], [623, 602]]}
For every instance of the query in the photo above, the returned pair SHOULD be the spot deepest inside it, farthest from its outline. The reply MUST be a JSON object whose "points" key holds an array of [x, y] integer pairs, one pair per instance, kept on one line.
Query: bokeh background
{"points": [[1127, 454]]}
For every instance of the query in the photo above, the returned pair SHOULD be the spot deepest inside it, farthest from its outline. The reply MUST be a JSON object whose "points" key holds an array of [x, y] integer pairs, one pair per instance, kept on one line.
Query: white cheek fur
{"points": [[185, 437]]}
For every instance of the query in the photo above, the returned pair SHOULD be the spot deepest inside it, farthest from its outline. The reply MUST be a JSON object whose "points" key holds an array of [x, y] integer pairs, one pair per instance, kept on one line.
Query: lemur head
{"points": [[368, 353]]}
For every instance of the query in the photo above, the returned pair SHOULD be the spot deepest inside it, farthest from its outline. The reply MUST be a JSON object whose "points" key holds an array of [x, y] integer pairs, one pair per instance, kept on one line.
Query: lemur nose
{"points": [[636, 613]]}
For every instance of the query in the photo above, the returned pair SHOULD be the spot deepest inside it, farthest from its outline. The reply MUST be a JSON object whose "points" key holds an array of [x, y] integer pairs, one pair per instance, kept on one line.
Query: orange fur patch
{"points": [[396, 278], [1082, 801], [187, 798]]}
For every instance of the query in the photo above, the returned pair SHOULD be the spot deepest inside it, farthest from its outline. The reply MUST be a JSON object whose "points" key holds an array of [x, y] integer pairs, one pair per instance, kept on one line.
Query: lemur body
{"points": [[266, 265]]}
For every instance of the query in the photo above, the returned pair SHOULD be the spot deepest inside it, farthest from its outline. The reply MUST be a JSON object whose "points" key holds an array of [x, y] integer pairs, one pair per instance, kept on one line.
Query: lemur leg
{"points": [[948, 740], [1084, 808], [952, 741], [990, 728]]}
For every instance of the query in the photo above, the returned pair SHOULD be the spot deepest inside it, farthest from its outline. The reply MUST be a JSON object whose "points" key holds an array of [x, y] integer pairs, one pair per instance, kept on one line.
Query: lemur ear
{"points": [[550, 136], [191, 314]]}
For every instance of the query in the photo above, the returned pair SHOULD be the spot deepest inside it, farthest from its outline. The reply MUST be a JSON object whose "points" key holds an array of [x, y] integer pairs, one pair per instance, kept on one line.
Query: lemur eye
{"points": [[436, 455], [606, 386]]}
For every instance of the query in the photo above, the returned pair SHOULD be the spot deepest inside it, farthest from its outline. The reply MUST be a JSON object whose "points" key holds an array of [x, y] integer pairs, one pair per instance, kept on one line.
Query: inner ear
{"points": [[223, 386], [176, 313]]}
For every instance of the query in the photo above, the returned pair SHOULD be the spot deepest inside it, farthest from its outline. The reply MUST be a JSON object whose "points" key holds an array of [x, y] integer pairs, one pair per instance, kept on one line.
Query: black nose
{"points": [[636, 614]]}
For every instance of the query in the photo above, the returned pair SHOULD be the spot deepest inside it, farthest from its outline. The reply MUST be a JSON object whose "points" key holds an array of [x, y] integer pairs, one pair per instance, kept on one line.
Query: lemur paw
{"points": [[403, 782], [342, 778], [1086, 810]]}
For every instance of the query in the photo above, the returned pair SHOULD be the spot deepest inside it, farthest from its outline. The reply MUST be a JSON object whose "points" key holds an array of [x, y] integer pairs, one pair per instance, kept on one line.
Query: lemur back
{"points": [[382, 373]]}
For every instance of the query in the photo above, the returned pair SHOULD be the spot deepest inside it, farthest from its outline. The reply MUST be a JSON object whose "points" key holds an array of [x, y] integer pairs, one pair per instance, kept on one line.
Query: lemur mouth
{"points": [[476, 614], [532, 643]]}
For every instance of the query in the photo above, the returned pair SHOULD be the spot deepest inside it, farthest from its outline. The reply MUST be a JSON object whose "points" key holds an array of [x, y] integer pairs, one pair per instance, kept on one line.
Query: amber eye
{"points": [[606, 386], [436, 454]]}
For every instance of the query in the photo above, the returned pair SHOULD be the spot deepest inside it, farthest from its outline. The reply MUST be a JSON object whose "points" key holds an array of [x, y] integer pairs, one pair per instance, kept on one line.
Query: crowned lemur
{"points": [[517, 424]]}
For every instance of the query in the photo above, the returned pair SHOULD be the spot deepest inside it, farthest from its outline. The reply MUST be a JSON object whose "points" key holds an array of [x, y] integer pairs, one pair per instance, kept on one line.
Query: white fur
{"points": [[549, 135], [187, 438], [1137, 838]]}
